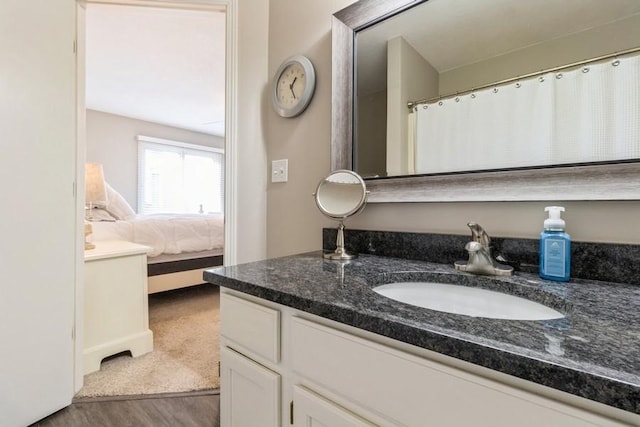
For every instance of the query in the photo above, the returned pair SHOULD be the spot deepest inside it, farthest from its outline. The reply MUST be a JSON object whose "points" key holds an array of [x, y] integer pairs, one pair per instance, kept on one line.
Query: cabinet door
{"points": [[312, 410], [116, 301], [249, 392]]}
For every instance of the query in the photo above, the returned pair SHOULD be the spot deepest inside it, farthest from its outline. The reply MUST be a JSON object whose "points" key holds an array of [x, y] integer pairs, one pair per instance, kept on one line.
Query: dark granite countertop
{"points": [[593, 352]]}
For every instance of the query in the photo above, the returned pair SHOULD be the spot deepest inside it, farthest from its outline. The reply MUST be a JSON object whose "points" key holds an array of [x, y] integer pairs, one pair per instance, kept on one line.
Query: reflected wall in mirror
{"points": [[499, 89]]}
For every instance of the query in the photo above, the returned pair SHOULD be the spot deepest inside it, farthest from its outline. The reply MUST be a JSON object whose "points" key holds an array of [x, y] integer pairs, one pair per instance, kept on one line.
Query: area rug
{"points": [[186, 349]]}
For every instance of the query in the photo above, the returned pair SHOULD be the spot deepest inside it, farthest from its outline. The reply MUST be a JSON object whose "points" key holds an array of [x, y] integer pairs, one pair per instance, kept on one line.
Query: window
{"points": [[175, 177]]}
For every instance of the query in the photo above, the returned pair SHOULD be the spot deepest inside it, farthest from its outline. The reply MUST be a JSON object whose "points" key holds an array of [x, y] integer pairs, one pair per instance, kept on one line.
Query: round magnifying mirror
{"points": [[340, 195]]}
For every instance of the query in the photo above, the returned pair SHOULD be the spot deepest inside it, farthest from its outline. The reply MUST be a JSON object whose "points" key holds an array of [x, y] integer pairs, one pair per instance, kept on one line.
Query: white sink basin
{"points": [[470, 301]]}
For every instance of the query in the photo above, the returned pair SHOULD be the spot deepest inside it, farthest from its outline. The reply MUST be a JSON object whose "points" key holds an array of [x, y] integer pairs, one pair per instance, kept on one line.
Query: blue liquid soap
{"points": [[555, 247]]}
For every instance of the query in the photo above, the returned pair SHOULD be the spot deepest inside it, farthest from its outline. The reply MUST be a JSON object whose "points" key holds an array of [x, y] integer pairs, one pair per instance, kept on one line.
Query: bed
{"points": [[182, 245]]}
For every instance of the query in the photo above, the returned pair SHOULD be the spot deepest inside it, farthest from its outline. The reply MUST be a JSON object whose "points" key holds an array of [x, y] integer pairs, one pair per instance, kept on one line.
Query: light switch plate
{"points": [[280, 170]]}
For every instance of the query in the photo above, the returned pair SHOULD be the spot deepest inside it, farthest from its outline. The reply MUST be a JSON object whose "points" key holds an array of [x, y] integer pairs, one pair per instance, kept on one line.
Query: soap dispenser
{"points": [[555, 247]]}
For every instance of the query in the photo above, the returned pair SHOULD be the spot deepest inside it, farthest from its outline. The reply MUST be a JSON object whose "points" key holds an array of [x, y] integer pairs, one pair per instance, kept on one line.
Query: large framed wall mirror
{"points": [[493, 100]]}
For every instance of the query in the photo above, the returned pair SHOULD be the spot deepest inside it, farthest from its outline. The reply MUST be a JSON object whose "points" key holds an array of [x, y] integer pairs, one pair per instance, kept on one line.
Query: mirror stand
{"points": [[339, 196], [340, 253]]}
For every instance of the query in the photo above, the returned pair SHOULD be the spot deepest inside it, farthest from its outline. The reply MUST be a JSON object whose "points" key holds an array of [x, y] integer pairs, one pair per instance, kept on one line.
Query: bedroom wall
{"points": [[111, 140], [294, 223]]}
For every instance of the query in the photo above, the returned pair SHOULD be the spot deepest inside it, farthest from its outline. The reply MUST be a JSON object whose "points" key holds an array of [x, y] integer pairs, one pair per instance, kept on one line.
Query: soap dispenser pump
{"points": [[555, 247]]}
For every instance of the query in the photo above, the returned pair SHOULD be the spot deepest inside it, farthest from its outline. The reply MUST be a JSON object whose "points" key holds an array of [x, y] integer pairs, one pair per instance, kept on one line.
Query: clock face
{"points": [[291, 85]]}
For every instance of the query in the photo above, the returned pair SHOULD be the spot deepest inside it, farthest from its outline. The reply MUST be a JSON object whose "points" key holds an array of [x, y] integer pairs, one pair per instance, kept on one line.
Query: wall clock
{"points": [[293, 86]]}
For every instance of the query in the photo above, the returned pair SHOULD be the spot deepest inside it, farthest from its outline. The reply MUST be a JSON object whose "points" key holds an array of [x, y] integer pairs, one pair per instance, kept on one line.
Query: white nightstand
{"points": [[116, 305]]}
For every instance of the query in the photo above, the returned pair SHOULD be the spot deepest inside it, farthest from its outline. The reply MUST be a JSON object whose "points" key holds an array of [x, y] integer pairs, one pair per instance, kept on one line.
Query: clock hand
{"points": [[291, 87]]}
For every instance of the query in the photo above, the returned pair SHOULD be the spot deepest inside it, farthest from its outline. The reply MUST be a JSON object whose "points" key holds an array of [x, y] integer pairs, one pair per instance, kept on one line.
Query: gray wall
{"points": [[111, 140], [294, 223]]}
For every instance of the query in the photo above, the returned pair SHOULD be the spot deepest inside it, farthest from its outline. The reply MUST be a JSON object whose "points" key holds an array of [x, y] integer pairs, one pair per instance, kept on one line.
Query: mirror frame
{"points": [[617, 181]]}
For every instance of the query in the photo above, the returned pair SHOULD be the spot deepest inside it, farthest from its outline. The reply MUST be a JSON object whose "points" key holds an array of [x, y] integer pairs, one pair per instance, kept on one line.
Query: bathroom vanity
{"points": [[306, 339]]}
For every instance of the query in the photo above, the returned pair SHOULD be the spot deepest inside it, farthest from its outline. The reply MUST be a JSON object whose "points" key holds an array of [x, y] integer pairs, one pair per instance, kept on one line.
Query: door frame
{"points": [[230, 139]]}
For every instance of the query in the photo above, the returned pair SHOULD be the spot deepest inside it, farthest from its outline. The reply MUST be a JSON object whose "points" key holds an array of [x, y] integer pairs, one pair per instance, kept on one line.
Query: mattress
{"points": [[166, 233]]}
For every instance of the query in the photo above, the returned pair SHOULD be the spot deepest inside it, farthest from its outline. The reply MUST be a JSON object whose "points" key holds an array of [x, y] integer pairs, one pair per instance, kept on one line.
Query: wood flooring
{"points": [[197, 409]]}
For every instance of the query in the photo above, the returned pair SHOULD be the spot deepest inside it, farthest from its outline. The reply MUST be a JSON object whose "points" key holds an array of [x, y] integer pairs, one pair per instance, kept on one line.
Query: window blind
{"points": [[176, 177]]}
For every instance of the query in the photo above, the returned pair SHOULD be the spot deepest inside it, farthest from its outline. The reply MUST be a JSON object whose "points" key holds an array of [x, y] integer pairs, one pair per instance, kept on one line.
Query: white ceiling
{"points": [[453, 33], [160, 65]]}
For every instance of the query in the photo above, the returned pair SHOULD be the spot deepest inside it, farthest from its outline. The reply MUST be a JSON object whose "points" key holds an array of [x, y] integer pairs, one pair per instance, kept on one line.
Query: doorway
{"points": [[200, 125], [152, 72]]}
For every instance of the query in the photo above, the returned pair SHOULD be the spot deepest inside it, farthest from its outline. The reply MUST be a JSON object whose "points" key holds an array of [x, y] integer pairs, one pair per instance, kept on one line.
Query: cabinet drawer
{"points": [[254, 327], [410, 390], [312, 409]]}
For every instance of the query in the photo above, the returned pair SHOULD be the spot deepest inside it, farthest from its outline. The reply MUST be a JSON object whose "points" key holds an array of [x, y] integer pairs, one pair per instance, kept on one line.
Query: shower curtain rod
{"points": [[412, 104]]}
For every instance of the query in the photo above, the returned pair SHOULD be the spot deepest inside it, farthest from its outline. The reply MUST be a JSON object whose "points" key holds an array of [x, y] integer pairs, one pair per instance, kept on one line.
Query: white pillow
{"points": [[117, 205]]}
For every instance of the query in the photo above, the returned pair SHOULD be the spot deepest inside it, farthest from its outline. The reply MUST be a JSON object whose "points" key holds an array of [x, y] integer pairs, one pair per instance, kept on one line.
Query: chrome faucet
{"points": [[480, 259]]}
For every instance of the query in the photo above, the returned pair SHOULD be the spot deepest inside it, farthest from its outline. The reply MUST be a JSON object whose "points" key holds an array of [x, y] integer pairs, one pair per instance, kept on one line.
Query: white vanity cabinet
{"points": [[334, 375], [394, 387], [249, 359]]}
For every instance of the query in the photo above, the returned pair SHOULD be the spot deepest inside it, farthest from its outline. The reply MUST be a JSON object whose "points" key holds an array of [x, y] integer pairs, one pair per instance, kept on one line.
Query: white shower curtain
{"points": [[581, 115]]}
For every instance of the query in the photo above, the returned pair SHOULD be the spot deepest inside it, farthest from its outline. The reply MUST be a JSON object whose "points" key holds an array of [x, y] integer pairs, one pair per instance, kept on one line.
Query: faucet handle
{"points": [[479, 235], [473, 246]]}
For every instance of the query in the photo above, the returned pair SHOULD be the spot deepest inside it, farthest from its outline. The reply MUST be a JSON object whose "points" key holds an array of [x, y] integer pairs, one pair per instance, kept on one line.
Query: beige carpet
{"points": [[186, 349]]}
